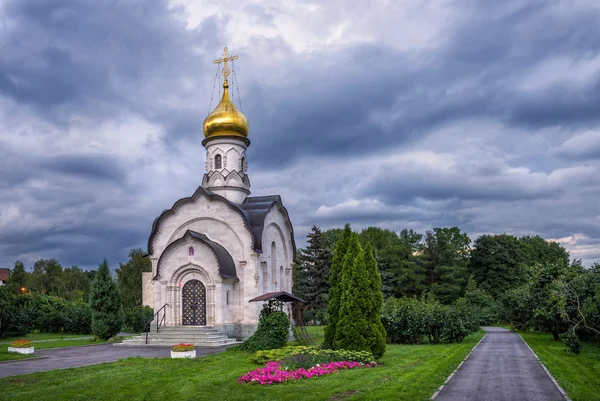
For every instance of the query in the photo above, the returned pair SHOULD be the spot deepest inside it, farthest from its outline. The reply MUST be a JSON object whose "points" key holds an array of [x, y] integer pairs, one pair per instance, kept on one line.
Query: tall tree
{"points": [[129, 277], [76, 284], [352, 327], [311, 273], [335, 290], [18, 278], [537, 250], [497, 263], [377, 336], [47, 277], [105, 301], [446, 257]]}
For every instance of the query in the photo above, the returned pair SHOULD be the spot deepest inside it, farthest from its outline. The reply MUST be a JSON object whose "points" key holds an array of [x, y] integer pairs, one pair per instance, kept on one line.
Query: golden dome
{"points": [[225, 119]]}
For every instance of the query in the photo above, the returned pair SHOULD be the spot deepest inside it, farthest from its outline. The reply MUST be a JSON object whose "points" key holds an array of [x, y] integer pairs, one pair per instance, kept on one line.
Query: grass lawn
{"points": [[578, 375], [9, 356], [410, 372]]}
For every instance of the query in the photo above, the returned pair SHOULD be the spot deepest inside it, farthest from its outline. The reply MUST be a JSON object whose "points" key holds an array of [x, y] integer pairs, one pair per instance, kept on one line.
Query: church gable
{"points": [[205, 213], [196, 248]]}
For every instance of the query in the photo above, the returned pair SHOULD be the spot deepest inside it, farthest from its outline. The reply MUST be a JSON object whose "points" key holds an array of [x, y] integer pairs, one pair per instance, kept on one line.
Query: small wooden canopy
{"points": [[277, 296]]}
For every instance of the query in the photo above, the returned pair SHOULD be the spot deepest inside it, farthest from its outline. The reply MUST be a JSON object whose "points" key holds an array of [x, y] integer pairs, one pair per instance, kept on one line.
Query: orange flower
{"points": [[22, 343], [182, 347]]}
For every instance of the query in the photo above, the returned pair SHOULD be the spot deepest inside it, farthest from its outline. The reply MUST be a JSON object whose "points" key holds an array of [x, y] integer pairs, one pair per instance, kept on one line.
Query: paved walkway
{"points": [[71, 357], [501, 368]]}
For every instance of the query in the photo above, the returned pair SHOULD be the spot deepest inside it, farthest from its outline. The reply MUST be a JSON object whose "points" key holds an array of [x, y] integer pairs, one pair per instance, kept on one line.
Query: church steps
{"points": [[200, 336], [161, 343]]}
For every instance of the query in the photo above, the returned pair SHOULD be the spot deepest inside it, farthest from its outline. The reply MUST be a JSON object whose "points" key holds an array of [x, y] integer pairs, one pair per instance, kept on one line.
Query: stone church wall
{"points": [[147, 290]]}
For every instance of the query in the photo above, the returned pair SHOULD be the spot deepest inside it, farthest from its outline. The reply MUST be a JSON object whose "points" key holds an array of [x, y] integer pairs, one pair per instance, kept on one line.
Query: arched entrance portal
{"points": [[193, 299]]}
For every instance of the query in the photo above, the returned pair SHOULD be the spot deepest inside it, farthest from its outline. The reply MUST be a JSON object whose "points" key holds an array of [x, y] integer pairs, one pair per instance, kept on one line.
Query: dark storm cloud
{"points": [[331, 109], [88, 166], [67, 61], [94, 58]]}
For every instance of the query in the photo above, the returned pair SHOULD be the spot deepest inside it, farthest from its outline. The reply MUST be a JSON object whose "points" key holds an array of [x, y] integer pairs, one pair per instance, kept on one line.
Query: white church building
{"points": [[217, 249]]}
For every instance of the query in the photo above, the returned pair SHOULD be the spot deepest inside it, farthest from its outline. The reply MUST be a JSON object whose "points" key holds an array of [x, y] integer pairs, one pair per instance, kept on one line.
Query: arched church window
{"points": [[228, 297], [243, 165], [273, 262], [191, 251], [218, 162]]}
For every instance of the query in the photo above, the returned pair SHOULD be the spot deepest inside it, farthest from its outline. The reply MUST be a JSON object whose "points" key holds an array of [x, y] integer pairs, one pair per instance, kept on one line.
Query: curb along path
{"points": [[71, 357], [501, 367]]}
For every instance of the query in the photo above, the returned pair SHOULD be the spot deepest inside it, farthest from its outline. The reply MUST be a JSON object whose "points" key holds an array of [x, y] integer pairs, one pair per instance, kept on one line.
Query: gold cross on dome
{"points": [[226, 71]]}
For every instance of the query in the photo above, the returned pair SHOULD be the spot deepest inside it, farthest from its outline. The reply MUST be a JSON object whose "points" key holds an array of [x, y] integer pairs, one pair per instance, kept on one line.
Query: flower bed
{"points": [[274, 372], [21, 344], [183, 351], [21, 347], [182, 347]]}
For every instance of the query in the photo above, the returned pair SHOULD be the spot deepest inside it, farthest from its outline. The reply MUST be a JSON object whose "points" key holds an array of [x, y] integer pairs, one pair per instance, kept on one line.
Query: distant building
{"points": [[4, 274]]}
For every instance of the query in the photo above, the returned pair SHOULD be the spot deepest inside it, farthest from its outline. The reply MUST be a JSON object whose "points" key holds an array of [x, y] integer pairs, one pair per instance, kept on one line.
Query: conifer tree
{"points": [[105, 301], [377, 335], [352, 327], [311, 273], [333, 306]]}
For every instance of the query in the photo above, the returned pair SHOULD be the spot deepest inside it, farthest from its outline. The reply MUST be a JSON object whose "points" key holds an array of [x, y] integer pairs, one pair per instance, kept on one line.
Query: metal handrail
{"points": [[159, 323]]}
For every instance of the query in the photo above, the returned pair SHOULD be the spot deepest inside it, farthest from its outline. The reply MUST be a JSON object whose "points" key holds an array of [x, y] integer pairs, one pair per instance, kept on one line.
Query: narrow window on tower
{"points": [[191, 251], [218, 162]]}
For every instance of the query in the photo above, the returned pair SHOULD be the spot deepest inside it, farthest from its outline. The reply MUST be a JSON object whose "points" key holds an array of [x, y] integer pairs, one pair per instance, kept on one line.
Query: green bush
{"points": [[460, 321], [404, 321], [50, 313], [14, 319], [78, 318], [136, 318], [340, 355], [272, 332], [264, 356], [409, 320], [572, 343], [487, 308]]}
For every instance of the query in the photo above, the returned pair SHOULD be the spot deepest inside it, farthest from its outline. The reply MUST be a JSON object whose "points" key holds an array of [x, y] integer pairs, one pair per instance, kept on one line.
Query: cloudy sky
{"points": [[483, 114]]}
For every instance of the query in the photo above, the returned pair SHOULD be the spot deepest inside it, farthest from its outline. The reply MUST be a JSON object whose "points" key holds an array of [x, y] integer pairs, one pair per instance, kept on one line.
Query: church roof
{"points": [[4, 274], [224, 259], [254, 209], [279, 296]]}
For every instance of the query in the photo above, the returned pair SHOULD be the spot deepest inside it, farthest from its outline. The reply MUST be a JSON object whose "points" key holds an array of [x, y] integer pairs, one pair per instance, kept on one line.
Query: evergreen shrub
{"points": [[136, 318], [105, 301], [272, 331]]}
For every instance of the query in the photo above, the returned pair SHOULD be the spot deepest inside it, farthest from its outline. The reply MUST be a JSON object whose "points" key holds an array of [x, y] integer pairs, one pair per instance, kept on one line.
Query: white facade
{"points": [[185, 245]]}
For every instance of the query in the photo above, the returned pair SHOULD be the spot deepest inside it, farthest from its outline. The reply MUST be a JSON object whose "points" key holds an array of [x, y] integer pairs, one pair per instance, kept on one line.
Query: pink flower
{"points": [[273, 372]]}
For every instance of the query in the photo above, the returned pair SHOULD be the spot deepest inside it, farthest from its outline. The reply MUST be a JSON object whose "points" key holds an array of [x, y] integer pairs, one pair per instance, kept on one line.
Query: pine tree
{"points": [[105, 301], [377, 335], [352, 327], [311, 275], [333, 307]]}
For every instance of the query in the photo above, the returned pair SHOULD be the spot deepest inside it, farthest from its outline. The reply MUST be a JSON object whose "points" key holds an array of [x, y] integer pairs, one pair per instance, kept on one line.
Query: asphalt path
{"points": [[71, 357], [501, 368]]}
